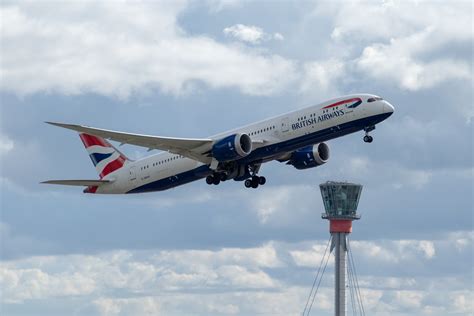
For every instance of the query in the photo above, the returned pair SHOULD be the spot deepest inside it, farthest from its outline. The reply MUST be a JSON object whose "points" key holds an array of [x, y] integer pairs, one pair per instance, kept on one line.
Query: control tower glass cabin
{"points": [[340, 200]]}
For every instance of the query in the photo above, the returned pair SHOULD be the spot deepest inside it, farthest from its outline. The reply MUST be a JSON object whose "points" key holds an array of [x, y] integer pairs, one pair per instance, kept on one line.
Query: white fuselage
{"points": [[277, 136]]}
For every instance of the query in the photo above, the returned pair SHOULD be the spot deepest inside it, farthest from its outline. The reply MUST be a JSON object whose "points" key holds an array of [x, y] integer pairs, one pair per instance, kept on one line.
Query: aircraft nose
{"points": [[388, 108]]}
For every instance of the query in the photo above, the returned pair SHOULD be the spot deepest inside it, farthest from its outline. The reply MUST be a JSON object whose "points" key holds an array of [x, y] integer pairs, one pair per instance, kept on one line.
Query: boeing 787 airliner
{"points": [[297, 138]]}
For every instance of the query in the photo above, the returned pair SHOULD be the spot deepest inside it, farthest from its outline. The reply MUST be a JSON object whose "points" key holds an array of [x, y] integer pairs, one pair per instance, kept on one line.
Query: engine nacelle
{"points": [[311, 156], [232, 147]]}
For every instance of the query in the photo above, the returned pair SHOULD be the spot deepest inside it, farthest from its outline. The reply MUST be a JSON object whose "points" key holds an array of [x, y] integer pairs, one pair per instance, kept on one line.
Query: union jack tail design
{"points": [[105, 157]]}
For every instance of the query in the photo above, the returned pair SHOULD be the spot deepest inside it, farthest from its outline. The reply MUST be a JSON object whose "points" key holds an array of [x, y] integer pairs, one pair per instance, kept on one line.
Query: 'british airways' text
{"points": [[316, 120]]}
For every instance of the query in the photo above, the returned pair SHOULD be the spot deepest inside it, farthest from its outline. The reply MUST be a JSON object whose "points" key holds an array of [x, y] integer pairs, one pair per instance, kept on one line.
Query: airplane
{"points": [[297, 138]]}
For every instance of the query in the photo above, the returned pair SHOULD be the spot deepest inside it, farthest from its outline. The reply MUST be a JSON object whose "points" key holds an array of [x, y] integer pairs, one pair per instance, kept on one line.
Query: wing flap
{"points": [[193, 148], [78, 182]]}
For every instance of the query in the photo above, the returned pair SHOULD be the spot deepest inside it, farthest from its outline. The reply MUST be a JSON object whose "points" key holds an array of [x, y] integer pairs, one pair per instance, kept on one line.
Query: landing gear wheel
{"points": [[248, 183], [262, 180], [368, 139], [254, 184], [216, 180], [255, 181], [209, 180]]}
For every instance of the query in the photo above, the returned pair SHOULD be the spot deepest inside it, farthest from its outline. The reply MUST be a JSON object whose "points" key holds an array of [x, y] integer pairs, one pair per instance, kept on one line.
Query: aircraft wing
{"points": [[77, 182], [193, 148]]}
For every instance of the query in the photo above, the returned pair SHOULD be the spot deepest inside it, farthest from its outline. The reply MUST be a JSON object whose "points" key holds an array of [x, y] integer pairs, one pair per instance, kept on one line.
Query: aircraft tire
{"points": [[248, 183], [209, 180], [262, 180], [254, 183]]}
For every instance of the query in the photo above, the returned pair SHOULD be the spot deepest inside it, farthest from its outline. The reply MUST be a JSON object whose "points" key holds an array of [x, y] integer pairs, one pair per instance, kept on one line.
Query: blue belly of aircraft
{"points": [[265, 152]]}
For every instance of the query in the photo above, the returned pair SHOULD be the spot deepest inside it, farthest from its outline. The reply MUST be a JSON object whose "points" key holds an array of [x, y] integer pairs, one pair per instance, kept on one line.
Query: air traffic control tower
{"points": [[340, 201]]}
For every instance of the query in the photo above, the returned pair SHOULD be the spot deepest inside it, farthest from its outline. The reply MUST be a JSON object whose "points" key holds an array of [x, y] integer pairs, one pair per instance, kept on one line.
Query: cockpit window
{"points": [[374, 99]]}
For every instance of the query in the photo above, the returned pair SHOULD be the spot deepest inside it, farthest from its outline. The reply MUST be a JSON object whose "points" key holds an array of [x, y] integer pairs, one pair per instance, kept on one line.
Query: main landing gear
{"points": [[367, 137], [255, 181], [252, 180], [216, 178]]}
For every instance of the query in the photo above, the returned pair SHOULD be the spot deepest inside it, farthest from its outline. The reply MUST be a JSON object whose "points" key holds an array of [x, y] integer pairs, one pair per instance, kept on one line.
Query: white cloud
{"points": [[463, 302], [403, 40], [462, 241], [250, 34], [234, 280], [23, 284], [6, 145], [276, 205], [264, 256], [374, 21], [278, 200], [311, 258], [399, 251], [57, 276], [360, 164], [395, 283], [278, 36], [241, 277], [126, 48], [395, 62], [285, 301], [107, 306], [216, 6], [428, 248], [360, 168], [128, 306], [320, 78], [408, 299], [119, 49], [395, 251]]}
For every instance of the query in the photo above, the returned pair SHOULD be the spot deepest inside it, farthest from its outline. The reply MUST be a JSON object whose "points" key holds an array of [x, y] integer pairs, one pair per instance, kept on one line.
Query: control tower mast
{"points": [[340, 201]]}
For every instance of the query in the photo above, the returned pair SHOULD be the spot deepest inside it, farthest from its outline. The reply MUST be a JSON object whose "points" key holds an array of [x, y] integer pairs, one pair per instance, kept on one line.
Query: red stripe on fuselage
{"points": [[342, 102], [112, 166], [90, 140]]}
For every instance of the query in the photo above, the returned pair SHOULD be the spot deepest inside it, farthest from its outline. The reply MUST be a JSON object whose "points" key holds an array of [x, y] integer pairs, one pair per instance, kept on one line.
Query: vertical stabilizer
{"points": [[105, 157]]}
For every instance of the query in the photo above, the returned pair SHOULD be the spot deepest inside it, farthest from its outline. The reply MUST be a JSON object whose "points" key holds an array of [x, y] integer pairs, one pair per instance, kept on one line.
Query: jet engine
{"points": [[232, 147], [310, 156]]}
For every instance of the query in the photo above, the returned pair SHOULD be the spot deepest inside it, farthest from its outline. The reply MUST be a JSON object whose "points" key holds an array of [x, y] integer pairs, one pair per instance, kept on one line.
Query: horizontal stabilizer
{"points": [[78, 182]]}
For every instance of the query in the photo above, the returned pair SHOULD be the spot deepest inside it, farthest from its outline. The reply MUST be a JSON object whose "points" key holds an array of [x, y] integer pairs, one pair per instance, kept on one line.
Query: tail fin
{"points": [[105, 157]]}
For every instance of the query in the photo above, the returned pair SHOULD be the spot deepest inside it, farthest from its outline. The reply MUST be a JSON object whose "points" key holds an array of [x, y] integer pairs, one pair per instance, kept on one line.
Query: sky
{"points": [[196, 68]]}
